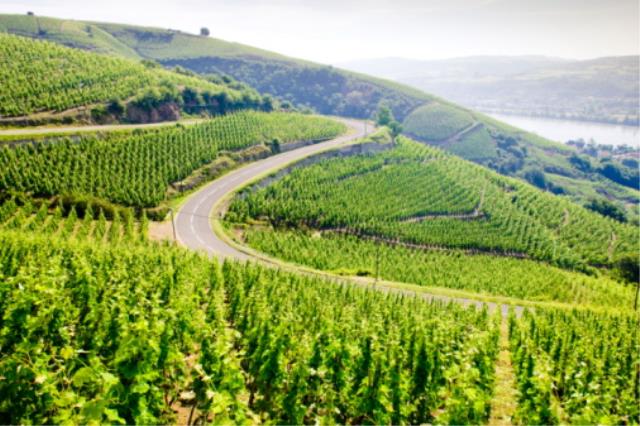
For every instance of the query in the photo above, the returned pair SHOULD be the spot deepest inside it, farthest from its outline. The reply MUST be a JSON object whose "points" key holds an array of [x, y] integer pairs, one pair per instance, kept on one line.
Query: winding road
{"points": [[194, 229], [193, 220]]}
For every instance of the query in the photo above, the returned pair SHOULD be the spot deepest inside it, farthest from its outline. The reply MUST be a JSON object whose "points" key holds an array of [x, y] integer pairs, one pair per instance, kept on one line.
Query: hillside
{"points": [[558, 168], [329, 90], [426, 198], [300, 82], [347, 275], [143, 168], [602, 89], [44, 81]]}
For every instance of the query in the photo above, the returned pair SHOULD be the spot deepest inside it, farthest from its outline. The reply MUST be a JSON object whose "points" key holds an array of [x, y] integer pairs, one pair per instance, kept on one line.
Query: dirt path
{"points": [[461, 133], [475, 214], [565, 219], [505, 397], [105, 128], [397, 242], [612, 246]]}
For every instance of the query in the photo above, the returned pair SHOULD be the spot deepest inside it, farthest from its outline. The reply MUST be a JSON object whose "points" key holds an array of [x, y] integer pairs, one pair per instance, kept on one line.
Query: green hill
{"points": [[300, 82], [436, 219], [136, 167], [552, 166]]}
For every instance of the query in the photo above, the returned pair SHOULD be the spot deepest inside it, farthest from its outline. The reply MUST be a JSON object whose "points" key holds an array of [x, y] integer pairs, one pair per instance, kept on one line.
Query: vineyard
{"points": [[93, 226], [436, 122], [420, 196], [43, 76], [136, 335], [454, 269], [576, 367], [135, 168], [405, 285]]}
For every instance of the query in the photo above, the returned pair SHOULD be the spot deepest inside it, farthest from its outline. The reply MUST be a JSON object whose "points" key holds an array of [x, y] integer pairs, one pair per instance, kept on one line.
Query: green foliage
{"points": [[607, 208], [575, 367], [384, 117], [421, 196], [43, 76], [97, 334], [618, 173], [454, 269], [436, 121], [135, 168], [77, 220]]}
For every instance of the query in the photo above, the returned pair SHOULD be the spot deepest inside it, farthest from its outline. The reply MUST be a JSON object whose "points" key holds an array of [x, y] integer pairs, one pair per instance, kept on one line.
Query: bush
{"points": [[607, 208], [628, 268]]}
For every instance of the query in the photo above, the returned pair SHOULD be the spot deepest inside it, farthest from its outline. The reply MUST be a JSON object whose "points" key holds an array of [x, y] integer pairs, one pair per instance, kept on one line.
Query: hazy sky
{"points": [[332, 31]]}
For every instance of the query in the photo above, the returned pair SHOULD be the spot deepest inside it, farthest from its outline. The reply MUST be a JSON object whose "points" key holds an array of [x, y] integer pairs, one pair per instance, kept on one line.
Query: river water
{"points": [[564, 130]]}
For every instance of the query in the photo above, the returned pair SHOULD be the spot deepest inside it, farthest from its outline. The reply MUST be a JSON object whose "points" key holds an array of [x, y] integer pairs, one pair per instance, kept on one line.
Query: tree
{"points": [[116, 108], [537, 178], [396, 129], [204, 31], [607, 208], [384, 117]]}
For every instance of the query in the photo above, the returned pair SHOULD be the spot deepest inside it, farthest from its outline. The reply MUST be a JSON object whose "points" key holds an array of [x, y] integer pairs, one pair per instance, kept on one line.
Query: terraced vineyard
{"points": [[134, 168], [436, 121], [43, 76], [452, 269], [420, 196], [417, 253]]}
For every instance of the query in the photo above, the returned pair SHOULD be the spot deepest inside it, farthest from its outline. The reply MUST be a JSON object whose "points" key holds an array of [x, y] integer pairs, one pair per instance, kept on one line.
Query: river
{"points": [[564, 130]]}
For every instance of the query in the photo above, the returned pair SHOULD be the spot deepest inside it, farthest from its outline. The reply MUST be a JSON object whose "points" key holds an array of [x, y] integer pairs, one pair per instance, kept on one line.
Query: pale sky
{"points": [[333, 31]]}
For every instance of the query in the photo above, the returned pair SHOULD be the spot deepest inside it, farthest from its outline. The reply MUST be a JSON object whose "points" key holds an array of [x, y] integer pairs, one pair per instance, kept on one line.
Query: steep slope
{"points": [[330, 90], [323, 88], [555, 167]]}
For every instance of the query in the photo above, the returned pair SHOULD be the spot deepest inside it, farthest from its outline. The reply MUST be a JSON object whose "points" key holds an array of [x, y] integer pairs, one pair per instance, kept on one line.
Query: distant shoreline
{"points": [[563, 130], [558, 118]]}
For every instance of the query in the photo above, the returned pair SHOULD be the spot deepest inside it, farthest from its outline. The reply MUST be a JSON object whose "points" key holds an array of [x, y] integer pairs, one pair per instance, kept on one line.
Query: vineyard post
{"points": [[173, 225]]}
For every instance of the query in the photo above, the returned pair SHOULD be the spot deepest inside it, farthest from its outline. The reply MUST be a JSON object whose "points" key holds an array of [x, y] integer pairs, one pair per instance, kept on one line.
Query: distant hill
{"points": [[330, 90], [603, 89]]}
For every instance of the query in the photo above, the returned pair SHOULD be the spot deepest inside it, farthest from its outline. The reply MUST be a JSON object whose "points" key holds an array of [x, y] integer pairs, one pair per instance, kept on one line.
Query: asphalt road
{"points": [[193, 219], [193, 224]]}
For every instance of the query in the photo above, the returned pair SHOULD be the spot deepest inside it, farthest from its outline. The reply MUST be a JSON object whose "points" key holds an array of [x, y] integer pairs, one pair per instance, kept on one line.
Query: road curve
{"points": [[192, 221], [194, 229]]}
